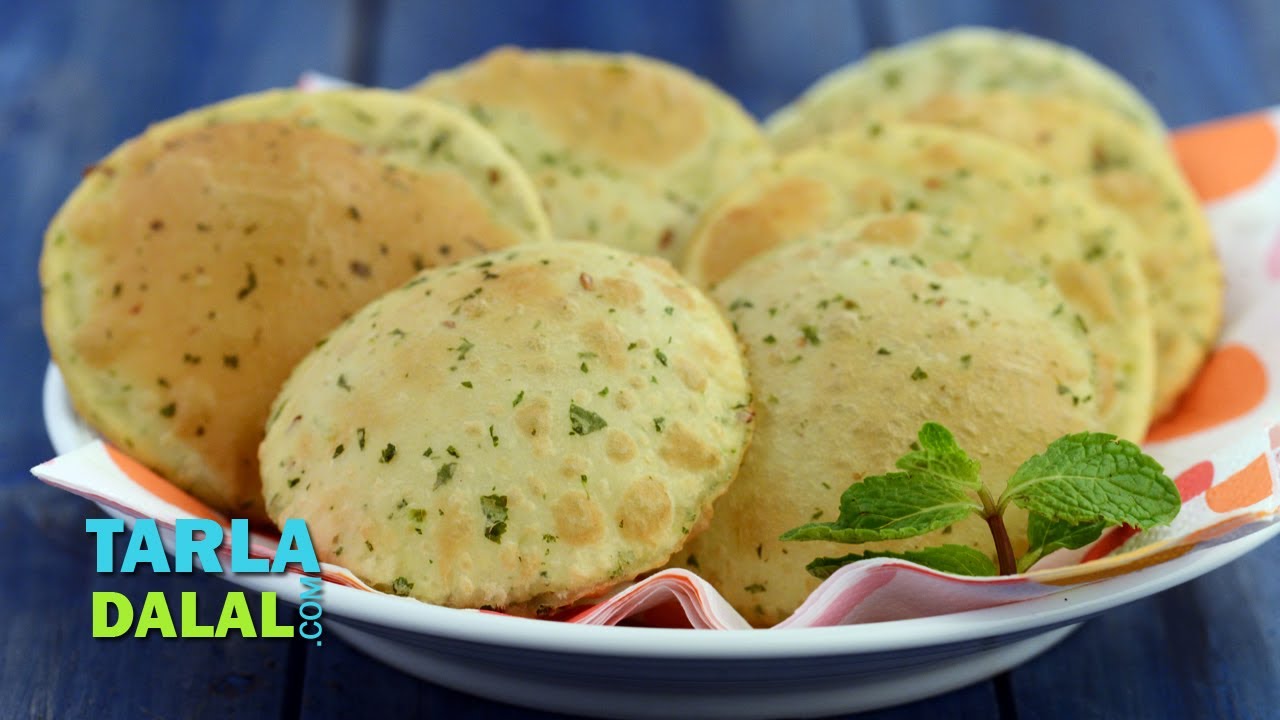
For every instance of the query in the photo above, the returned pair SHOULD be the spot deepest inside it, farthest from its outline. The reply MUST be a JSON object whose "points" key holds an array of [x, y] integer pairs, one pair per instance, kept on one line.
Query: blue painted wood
{"points": [[1207, 649], [52, 667], [1194, 60]]}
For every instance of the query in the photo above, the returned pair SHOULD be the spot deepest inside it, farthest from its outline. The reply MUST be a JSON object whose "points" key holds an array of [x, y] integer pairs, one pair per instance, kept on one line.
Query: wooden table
{"points": [[78, 78]]}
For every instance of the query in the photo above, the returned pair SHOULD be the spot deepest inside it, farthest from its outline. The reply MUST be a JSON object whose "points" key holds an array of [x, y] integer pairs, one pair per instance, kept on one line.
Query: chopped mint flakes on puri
{"points": [[445, 474], [400, 586], [1080, 485], [494, 508], [583, 421]]}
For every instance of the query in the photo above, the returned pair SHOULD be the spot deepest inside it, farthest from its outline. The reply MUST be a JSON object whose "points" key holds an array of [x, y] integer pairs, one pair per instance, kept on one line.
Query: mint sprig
{"points": [[1080, 485]]}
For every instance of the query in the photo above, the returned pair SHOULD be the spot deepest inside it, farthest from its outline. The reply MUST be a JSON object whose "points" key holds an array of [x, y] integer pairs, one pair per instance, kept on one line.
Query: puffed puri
{"points": [[517, 432], [625, 150], [197, 263], [852, 347]]}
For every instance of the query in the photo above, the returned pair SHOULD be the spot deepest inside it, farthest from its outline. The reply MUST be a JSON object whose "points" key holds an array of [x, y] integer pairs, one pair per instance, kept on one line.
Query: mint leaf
{"points": [[954, 559], [940, 457], [891, 507], [1045, 536], [1088, 477]]}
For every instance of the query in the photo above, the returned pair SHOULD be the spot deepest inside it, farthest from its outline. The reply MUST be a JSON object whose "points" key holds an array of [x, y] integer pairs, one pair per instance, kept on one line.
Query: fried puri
{"points": [[625, 150], [514, 432], [852, 346], [197, 263]]}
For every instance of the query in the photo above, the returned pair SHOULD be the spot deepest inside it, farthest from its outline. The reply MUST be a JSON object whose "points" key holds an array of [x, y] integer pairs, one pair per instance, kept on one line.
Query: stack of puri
{"points": [[1082, 121], [262, 301], [937, 212], [197, 263]]}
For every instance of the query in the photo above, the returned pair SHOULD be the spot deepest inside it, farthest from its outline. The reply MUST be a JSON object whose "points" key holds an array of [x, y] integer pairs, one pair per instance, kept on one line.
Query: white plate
{"points": [[630, 672]]}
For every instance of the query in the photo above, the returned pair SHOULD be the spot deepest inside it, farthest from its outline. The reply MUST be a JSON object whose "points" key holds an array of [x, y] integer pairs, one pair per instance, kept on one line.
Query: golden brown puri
{"points": [[851, 347], [517, 431], [625, 150], [1132, 172], [962, 60], [963, 179], [198, 262]]}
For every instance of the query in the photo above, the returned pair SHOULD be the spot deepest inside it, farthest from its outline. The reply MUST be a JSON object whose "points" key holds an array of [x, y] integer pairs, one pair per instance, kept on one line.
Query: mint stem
{"points": [[995, 520]]}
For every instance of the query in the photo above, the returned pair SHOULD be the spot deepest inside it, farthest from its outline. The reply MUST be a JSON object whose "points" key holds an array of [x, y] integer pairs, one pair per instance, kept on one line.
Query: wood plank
{"points": [[1195, 61], [1209, 648], [53, 667], [76, 79], [417, 38]]}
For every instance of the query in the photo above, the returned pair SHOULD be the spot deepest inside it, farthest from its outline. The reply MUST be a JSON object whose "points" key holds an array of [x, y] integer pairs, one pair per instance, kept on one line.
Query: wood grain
{"points": [[1206, 649]]}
